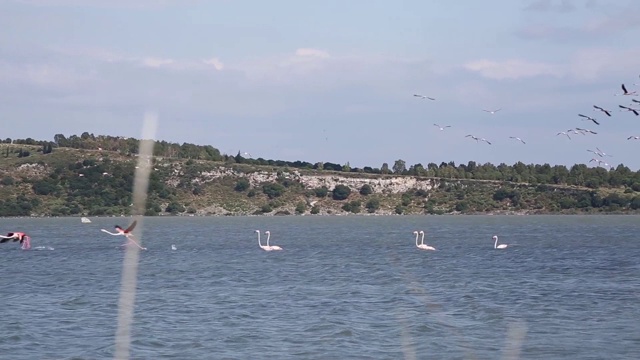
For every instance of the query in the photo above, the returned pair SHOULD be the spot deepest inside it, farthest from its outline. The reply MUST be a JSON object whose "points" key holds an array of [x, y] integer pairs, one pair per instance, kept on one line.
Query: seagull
{"points": [[442, 127], [423, 97], [608, 112], [625, 92], [517, 138], [473, 137], [586, 130], [633, 137], [589, 118], [629, 109], [563, 133], [491, 111]]}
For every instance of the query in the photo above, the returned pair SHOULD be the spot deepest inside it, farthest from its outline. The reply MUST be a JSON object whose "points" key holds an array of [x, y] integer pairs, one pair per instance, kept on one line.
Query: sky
{"points": [[329, 81]]}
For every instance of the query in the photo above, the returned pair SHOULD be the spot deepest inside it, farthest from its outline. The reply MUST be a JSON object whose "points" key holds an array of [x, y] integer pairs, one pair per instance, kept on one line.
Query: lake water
{"points": [[567, 287]]}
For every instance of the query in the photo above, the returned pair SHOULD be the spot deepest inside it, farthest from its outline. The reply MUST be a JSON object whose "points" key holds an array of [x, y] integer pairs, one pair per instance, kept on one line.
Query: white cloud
{"points": [[513, 69]]}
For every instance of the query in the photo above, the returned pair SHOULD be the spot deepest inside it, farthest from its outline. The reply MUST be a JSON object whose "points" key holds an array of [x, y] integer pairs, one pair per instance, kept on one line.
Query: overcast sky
{"points": [[330, 80]]}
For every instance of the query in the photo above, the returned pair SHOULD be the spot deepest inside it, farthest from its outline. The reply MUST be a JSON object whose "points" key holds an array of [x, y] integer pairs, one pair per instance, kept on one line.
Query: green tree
{"points": [[399, 166]]}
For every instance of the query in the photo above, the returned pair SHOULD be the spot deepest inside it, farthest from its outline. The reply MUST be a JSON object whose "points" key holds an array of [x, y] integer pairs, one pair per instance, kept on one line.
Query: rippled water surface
{"points": [[567, 287]]}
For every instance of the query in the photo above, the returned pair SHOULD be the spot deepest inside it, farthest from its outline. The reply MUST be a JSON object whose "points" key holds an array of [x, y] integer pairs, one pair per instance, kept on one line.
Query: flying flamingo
{"points": [[442, 127], [272, 247], [517, 138], [423, 245], [608, 112], [588, 118], [625, 92], [563, 133], [629, 109], [24, 239], [633, 137], [126, 233], [492, 111], [423, 97], [496, 246]]}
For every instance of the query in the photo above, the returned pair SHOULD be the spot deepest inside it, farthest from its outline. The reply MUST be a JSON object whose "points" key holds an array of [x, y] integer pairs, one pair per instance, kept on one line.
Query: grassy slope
{"points": [[218, 196]]}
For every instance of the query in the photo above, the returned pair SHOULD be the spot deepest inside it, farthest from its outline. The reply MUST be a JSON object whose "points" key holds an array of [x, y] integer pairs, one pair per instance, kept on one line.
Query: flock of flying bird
{"points": [[575, 131]]}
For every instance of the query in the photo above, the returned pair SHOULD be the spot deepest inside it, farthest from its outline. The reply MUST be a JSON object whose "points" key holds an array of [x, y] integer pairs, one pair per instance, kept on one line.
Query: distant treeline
{"points": [[578, 174]]}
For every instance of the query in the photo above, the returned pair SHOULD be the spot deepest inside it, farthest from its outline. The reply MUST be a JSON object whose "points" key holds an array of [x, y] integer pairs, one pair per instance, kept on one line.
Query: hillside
{"points": [[94, 177]]}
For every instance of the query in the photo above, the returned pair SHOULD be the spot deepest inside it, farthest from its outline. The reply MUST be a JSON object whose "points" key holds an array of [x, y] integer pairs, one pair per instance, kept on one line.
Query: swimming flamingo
{"points": [[496, 246], [423, 245], [265, 248], [126, 233], [272, 247]]}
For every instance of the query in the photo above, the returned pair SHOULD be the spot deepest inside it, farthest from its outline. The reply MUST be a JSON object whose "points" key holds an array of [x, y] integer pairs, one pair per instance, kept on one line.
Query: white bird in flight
{"points": [[625, 92], [599, 152], [442, 127], [588, 118], [563, 133], [423, 97], [629, 109], [473, 137], [608, 112], [586, 130], [633, 137], [517, 138], [491, 111]]}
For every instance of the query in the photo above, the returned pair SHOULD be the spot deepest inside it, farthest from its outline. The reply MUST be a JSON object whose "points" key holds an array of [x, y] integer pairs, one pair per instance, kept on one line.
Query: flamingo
{"points": [[442, 127], [599, 153], [563, 133], [265, 248], [272, 247], [625, 92], [423, 97], [517, 138], [24, 239], [608, 112], [633, 137], [586, 130], [473, 137], [629, 109], [492, 111], [485, 140], [126, 233], [496, 246], [588, 118], [423, 245]]}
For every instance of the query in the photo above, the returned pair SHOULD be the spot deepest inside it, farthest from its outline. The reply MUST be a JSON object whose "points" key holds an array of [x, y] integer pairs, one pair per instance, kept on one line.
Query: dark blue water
{"points": [[567, 287]]}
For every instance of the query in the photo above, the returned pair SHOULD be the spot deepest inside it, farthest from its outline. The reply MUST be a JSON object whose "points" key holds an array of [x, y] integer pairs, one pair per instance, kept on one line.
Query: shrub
{"points": [[341, 192], [366, 190], [242, 185]]}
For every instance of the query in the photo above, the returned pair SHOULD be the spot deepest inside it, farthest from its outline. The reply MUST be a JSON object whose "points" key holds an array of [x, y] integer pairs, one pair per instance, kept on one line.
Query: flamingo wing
{"points": [[624, 89], [131, 227]]}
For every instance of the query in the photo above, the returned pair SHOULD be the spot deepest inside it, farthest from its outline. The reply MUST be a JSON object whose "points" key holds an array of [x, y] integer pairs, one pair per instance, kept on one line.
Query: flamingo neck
{"points": [[268, 237], [422, 240], [495, 245], [417, 238], [259, 243]]}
